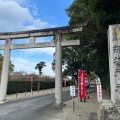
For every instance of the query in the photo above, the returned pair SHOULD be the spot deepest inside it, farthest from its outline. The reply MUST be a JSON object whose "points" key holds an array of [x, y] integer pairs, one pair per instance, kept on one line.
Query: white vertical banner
{"points": [[72, 90], [99, 93]]}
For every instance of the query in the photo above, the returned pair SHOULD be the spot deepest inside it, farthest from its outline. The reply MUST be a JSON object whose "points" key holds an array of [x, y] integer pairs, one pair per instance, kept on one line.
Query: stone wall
{"points": [[108, 110]]}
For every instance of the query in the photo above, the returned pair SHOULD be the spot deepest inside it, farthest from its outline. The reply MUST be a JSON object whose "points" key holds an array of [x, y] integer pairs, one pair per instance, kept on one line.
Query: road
{"points": [[37, 108]]}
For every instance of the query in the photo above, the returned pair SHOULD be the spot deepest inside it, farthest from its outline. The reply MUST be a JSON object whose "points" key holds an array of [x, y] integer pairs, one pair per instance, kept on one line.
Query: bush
{"points": [[22, 86]]}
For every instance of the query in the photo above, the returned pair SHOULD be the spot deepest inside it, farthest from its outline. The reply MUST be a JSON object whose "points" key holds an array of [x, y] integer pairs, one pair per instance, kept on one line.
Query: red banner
{"points": [[64, 83], [81, 83]]}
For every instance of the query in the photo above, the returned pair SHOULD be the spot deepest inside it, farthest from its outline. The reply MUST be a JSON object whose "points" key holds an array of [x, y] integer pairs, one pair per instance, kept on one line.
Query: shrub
{"points": [[22, 86]]}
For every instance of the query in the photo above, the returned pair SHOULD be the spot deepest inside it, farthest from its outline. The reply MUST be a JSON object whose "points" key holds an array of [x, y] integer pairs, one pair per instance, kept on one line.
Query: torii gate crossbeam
{"points": [[57, 43]]}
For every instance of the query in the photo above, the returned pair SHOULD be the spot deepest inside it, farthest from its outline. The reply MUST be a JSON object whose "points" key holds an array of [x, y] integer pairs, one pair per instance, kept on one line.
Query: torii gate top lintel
{"points": [[41, 32]]}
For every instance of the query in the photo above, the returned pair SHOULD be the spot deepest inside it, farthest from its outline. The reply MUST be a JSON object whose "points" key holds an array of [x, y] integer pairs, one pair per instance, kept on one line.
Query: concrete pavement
{"points": [[82, 110]]}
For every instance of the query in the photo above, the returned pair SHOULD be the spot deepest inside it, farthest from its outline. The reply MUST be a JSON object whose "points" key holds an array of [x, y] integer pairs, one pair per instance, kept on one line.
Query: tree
{"points": [[11, 66], [93, 50], [40, 66], [104, 13], [74, 57], [92, 76], [53, 63]]}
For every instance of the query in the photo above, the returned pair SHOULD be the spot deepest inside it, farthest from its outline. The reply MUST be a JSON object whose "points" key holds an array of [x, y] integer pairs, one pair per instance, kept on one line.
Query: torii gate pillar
{"points": [[58, 70], [5, 71]]}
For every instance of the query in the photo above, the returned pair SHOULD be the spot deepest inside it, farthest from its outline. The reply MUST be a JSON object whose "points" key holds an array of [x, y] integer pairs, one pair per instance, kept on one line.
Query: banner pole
{"points": [[78, 84]]}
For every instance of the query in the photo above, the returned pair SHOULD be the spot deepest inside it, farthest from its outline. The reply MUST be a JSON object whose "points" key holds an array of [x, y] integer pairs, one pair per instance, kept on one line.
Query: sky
{"points": [[21, 15]]}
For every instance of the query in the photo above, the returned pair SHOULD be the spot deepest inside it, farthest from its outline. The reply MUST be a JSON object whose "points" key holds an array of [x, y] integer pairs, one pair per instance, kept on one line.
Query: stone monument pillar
{"points": [[114, 61]]}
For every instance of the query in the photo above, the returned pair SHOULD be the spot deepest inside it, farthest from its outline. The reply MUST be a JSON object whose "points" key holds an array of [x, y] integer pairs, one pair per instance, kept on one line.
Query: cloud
{"points": [[38, 51], [22, 64], [21, 2], [13, 17], [17, 15], [48, 70]]}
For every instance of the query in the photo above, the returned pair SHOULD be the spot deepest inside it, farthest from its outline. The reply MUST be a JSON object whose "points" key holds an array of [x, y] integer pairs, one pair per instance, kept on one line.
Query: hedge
{"points": [[22, 86]]}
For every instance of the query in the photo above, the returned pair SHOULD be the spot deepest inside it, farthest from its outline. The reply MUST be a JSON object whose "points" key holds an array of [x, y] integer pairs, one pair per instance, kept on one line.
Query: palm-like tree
{"points": [[40, 66]]}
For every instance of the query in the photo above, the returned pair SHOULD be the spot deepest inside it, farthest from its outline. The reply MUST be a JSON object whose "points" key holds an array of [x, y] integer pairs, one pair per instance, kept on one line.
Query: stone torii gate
{"points": [[32, 34]]}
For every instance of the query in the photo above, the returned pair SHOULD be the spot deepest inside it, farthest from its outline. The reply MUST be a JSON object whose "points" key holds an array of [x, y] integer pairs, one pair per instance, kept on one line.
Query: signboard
{"points": [[81, 83], [99, 93], [72, 90]]}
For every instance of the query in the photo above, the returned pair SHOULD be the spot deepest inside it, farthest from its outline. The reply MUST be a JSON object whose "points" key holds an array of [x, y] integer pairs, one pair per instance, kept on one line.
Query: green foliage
{"points": [[22, 86], [105, 12], [40, 66], [11, 66], [79, 12], [53, 63], [18, 86], [72, 83], [93, 50], [1, 62], [84, 54], [92, 76]]}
